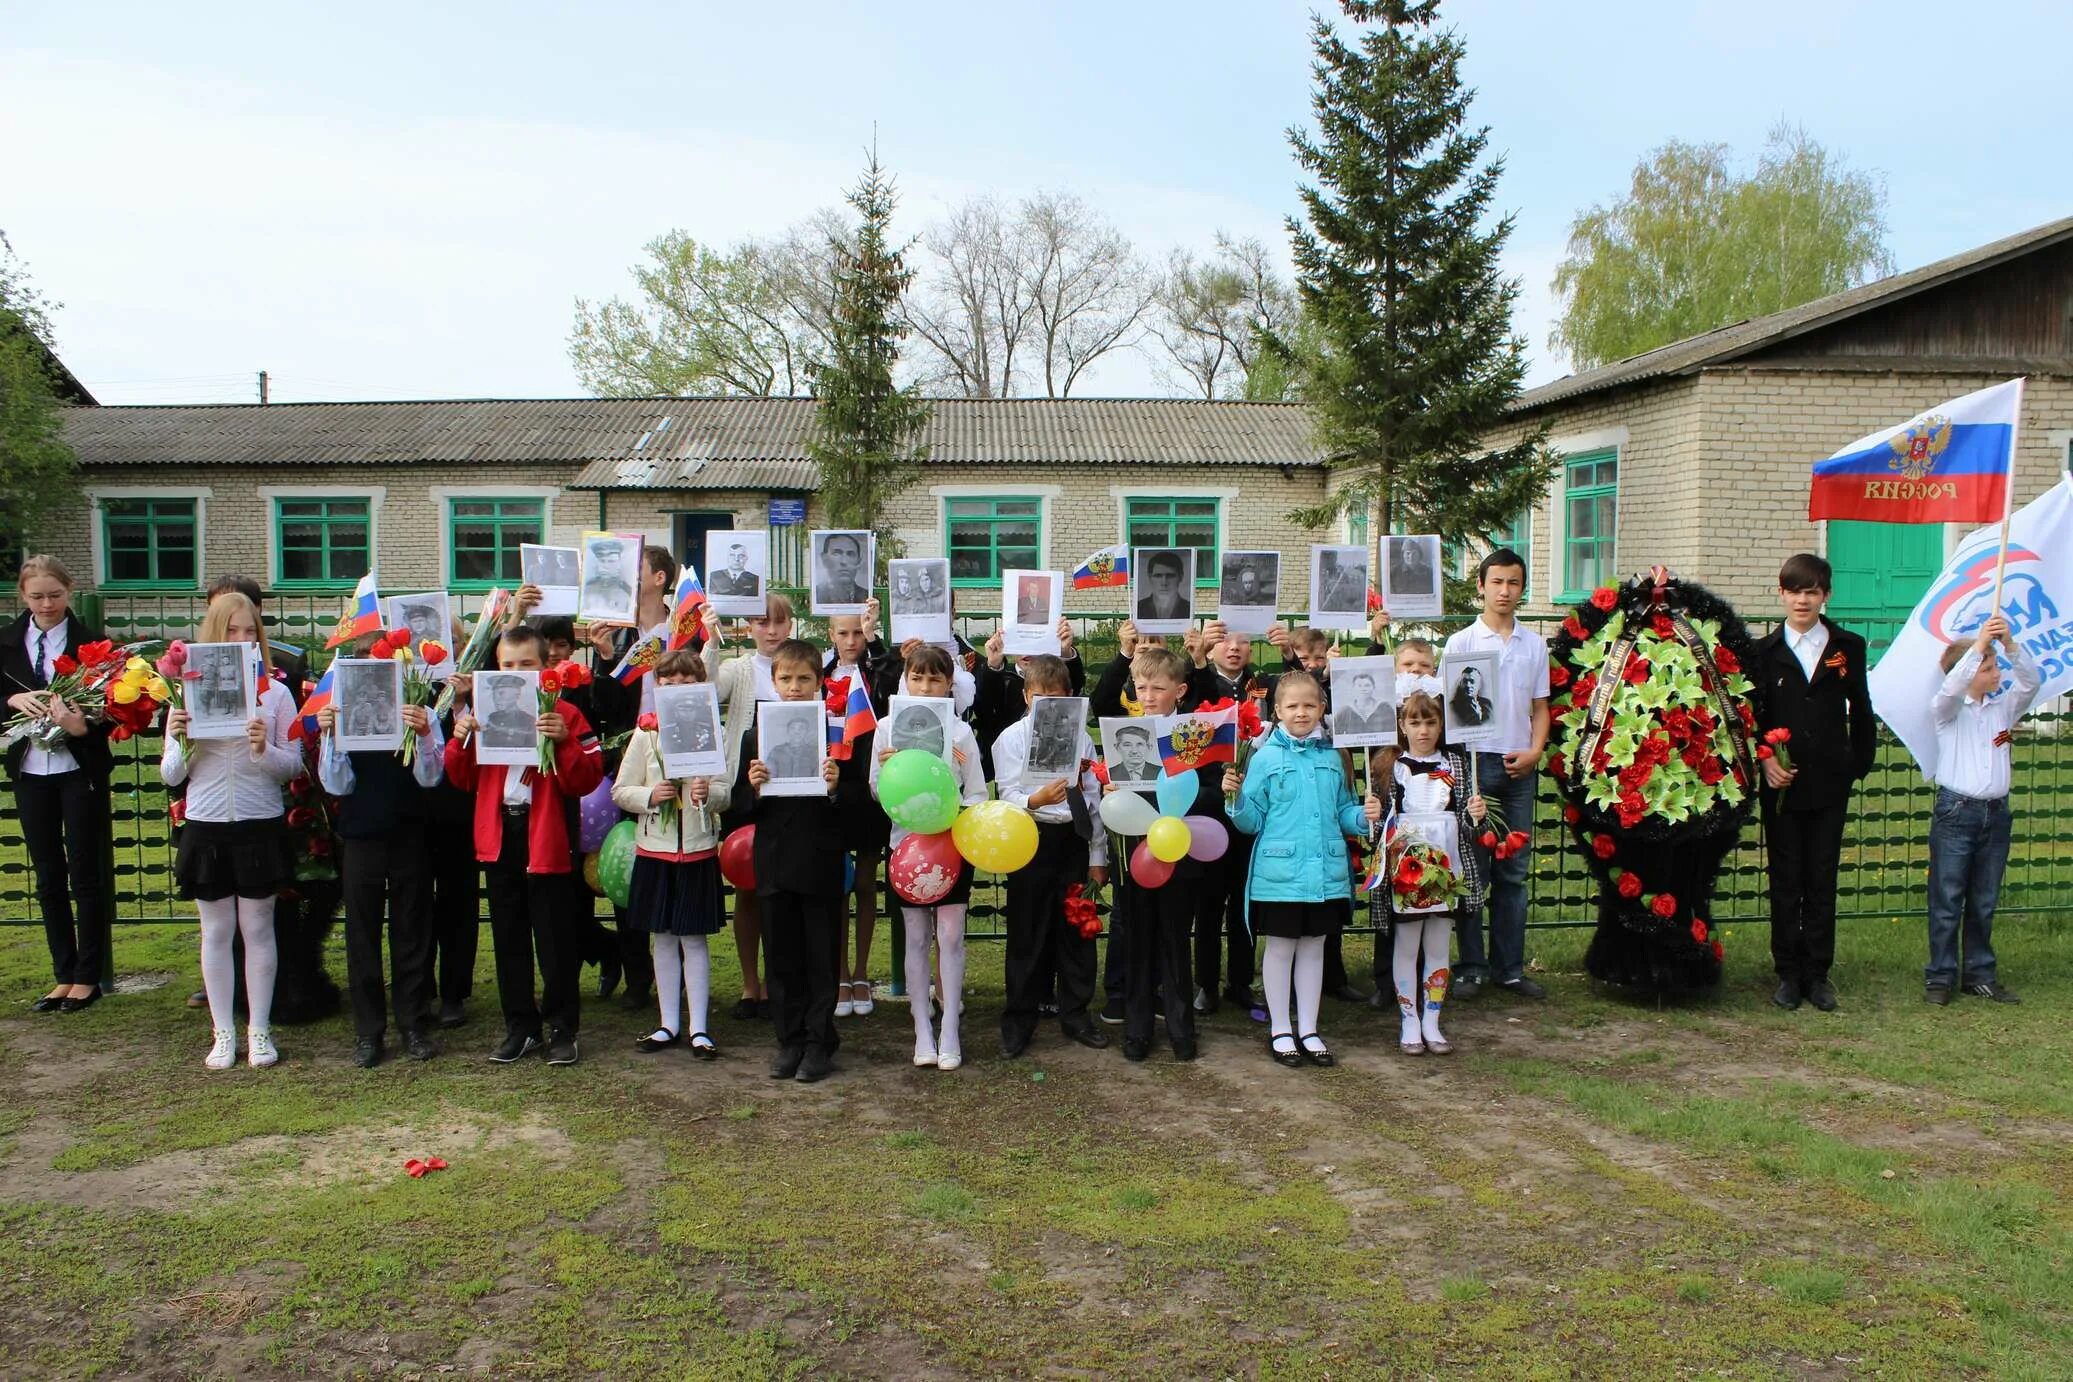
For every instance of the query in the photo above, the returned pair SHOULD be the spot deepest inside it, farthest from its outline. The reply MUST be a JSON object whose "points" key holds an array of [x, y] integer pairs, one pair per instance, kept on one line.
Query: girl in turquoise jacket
{"points": [[1294, 799]]}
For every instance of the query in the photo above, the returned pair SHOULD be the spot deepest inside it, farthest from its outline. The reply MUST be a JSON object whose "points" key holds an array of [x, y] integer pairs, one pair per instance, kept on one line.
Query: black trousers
{"points": [[1806, 854], [532, 913], [1041, 946], [385, 878], [802, 959], [1156, 958], [65, 825], [453, 904], [1220, 920]]}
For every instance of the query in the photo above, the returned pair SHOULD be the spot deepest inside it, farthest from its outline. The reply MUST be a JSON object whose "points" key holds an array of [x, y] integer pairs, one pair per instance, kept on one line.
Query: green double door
{"points": [[1881, 570]]}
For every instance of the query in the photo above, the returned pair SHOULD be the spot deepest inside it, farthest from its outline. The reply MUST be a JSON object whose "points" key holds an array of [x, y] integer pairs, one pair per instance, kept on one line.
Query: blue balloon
{"points": [[1176, 795], [849, 872]]}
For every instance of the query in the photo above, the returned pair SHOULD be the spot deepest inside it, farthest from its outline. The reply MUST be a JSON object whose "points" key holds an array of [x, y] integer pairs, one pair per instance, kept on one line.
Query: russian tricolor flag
{"points": [[850, 716], [640, 659], [305, 726], [1188, 742], [363, 620], [1108, 567], [684, 612], [1948, 465]]}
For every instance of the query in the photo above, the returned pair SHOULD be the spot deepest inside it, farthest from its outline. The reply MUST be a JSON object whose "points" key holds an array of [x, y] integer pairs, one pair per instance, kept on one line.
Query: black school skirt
{"points": [[669, 899], [219, 859], [1299, 920]]}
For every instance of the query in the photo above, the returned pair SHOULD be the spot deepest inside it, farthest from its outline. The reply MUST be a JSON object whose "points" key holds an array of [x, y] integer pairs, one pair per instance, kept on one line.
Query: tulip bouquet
{"points": [[418, 686], [108, 683], [475, 652], [667, 812], [563, 676]]}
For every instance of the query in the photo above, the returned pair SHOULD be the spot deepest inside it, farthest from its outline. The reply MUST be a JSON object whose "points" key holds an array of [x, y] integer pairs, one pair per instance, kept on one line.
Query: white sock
{"points": [[921, 926], [1309, 983], [950, 956], [1403, 970], [698, 981], [1439, 930], [262, 959], [669, 982], [219, 964], [1276, 967]]}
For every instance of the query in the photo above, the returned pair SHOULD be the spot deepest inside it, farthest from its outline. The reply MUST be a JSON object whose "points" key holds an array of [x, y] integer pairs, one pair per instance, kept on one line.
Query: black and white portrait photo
{"points": [[1363, 702], [507, 713], [557, 571], [1130, 749], [423, 616], [1162, 589], [223, 696], [918, 599], [1411, 576], [1055, 726], [921, 722], [1339, 588], [841, 573], [611, 577], [791, 743], [687, 722], [368, 696], [1470, 691], [1246, 592], [736, 565], [1031, 604]]}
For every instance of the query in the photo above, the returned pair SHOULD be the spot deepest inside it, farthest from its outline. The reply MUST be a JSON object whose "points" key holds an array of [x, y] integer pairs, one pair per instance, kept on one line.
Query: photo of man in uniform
{"points": [[606, 586], [929, 597], [511, 723], [794, 755], [736, 578], [916, 727], [1470, 704], [370, 709]]}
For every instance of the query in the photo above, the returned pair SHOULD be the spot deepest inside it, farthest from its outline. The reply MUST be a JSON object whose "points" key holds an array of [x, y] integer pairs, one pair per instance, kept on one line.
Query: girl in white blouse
{"points": [[233, 855]]}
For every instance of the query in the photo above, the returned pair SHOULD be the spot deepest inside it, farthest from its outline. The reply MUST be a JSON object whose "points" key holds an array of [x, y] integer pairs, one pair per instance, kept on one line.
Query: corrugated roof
{"points": [[683, 443], [1731, 342]]}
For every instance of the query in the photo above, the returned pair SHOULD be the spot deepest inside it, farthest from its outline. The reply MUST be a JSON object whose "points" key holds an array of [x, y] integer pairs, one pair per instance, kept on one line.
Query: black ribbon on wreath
{"points": [[1656, 868]]}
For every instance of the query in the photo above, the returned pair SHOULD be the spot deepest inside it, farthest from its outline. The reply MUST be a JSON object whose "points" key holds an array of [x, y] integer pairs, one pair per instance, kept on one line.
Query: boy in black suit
{"points": [[1809, 679]]}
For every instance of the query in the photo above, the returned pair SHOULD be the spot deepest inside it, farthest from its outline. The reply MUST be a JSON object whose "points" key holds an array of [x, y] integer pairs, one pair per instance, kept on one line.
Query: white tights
{"points": [[222, 920], [1434, 932], [946, 924], [683, 969], [1298, 965]]}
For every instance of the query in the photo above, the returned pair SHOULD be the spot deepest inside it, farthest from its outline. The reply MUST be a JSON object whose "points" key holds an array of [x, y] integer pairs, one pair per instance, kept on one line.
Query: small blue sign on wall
{"points": [[787, 513]]}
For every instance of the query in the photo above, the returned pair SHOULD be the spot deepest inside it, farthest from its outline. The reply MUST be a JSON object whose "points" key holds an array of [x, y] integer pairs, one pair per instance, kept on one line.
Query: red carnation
{"points": [[1635, 673], [1557, 764], [1725, 659], [1571, 815], [1710, 772], [1630, 885], [1585, 685], [1603, 847], [1662, 626], [1558, 675], [1605, 598], [1664, 906], [1574, 627], [1699, 931]]}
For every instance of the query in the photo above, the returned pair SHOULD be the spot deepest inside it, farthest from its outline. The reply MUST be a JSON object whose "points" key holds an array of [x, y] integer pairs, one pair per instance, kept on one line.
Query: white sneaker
{"points": [[949, 1060], [259, 1049], [224, 1054]]}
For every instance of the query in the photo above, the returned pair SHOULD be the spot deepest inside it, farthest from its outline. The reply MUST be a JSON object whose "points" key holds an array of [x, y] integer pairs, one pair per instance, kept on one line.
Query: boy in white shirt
{"points": [[1968, 836]]}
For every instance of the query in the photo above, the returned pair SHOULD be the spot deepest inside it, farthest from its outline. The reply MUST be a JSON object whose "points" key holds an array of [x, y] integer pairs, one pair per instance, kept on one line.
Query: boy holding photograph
{"points": [[743, 681], [856, 652]]}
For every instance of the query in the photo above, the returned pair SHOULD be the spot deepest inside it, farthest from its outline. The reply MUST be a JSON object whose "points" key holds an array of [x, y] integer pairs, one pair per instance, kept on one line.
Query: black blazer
{"points": [[799, 840], [1834, 735], [90, 750]]}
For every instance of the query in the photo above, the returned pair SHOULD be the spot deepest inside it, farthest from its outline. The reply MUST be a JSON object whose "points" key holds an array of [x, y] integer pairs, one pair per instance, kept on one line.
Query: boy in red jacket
{"points": [[524, 838]]}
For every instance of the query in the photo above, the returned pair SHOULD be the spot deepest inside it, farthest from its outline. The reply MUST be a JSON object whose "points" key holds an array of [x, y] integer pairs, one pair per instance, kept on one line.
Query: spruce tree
{"points": [[1410, 359], [864, 427]]}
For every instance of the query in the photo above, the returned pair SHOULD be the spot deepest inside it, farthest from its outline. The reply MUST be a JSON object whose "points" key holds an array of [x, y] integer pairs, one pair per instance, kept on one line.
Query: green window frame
{"points": [[1179, 522], [150, 544], [483, 536], [1590, 521], [322, 543], [985, 535]]}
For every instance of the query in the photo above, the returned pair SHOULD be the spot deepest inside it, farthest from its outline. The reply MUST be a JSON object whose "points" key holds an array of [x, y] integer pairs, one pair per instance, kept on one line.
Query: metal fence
{"points": [[1885, 857]]}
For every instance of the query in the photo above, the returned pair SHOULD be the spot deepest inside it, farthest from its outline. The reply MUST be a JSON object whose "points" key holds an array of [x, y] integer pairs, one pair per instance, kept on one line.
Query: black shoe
{"points": [[1821, 994], [1347, 993], [1991, 991], [662, 1038], [48, 1003], [1135, 1050], [417, 1045], [367, 1052], [198, 999], [1939, 994], [1788, 994], [1012, 1046], [452, 1014], [1319, 1054], [1047, 1010], [787, 1063], [1292, 1057], [1523, 987], [745, 1011], [515, 1046], [1112, 1011], [1092, 1037], [1205, 1001], [1185, 1049], [561, 1048], [607, 975], [633, 1002], [817, 1066], [73, 1005], [1467, 986]]}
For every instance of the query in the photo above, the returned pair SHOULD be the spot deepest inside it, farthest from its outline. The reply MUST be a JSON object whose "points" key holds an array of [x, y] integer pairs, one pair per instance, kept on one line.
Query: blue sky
{"points": [[403, 200]]}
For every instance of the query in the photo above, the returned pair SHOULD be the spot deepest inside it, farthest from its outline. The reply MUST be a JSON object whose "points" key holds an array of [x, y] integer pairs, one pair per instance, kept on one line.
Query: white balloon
{"points": [[1127, 813]]}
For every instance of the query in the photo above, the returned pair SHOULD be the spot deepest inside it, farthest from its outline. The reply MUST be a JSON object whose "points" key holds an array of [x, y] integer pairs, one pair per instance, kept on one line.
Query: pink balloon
{"points": [[924, 868], [1146, 870], [596, 817], [1207, 838]]}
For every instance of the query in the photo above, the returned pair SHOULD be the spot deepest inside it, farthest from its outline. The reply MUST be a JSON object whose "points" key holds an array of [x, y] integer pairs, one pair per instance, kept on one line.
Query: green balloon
{"points": [[615, 863], [918, 791]]}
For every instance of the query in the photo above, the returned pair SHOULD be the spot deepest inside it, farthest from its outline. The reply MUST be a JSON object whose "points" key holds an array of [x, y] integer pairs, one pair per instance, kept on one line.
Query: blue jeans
{"points": [[1505, 897], [1968, 851]]}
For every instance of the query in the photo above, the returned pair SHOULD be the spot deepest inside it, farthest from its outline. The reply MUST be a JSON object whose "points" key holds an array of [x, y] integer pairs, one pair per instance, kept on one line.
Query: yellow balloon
{"points": [[1168, 839], [995, 836]]}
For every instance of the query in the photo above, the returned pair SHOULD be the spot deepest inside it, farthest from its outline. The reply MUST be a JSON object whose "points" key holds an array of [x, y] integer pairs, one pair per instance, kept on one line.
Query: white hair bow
{"points": [[1407, 682]]}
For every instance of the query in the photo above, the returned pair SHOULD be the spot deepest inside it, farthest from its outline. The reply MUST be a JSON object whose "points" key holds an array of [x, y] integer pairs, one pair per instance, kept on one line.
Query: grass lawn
{"points": [[1588, 1187]]}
